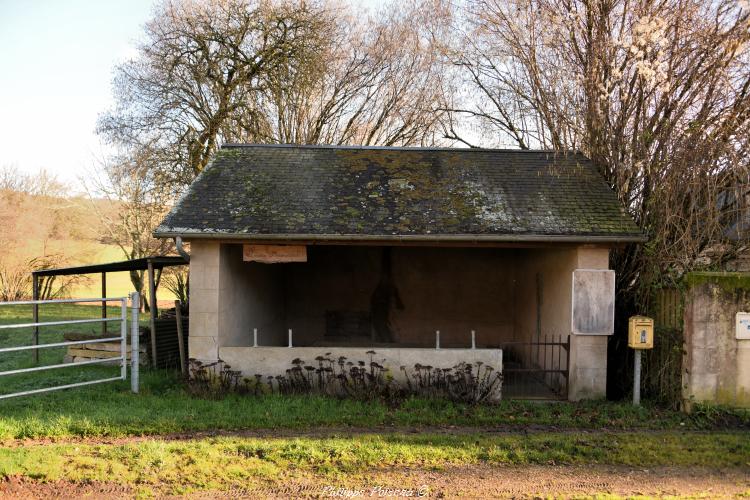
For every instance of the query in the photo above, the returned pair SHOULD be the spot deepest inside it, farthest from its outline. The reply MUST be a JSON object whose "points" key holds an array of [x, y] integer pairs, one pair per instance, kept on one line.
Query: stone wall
{"points": [[716, 366], [273, 361]]}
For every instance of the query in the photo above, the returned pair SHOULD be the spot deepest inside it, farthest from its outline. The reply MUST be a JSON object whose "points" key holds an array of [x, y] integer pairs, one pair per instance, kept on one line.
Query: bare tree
{"points": [[39, 183], [657, 93], [277, 72], [197, 73], [378, 81], [140, 202]]}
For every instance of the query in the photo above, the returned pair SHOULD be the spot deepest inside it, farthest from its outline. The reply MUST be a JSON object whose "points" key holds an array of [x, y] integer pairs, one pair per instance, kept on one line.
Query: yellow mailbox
{"points": [[641, 332]]}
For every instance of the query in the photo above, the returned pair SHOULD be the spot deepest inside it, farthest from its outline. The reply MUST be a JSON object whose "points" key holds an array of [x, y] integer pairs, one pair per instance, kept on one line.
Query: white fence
{"points": [[122, 338]]}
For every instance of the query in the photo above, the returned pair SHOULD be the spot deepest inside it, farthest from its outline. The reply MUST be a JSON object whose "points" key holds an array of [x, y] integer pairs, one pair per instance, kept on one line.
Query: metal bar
{"points": [[58, 344], [56, 323], [59, 301], [180, 338], [637, 378], [58, 388], [567, 369], [62, 365], [35, 315], [152, 311], [104, 302], [124, 338], [134, 347]]}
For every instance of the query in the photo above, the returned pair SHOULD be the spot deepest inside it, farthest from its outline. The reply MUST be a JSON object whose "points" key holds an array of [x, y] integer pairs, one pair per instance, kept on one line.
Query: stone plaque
{"points": [[593, 302]]}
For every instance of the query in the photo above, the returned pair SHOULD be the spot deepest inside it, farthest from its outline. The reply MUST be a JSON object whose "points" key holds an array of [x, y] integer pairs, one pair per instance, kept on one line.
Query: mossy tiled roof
{"points": [[304, 192]]}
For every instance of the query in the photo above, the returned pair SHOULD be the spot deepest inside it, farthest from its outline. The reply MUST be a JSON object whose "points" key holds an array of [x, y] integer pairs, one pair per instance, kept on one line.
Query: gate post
{"points": [[123, 338], [134, 347]]}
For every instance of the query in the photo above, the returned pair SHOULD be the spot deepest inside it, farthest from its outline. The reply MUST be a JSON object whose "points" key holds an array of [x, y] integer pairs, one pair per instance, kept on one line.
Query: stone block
{"points": [[203, 348]]}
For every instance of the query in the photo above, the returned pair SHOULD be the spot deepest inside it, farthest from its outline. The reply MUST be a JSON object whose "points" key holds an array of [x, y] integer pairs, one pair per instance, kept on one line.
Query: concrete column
{"points": [[205, 264], [588, 353]]}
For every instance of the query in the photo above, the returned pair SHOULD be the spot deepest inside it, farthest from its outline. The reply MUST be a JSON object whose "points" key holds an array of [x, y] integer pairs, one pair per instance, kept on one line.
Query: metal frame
{"points": [[537, 369], [123, 319]]}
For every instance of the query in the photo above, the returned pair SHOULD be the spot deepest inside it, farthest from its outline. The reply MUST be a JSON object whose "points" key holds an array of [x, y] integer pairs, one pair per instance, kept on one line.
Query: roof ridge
{"points": [[240, 145]]}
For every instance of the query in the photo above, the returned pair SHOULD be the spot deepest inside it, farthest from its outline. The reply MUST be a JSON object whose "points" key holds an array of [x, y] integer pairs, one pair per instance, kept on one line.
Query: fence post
{"points": [[123, 338], [180, 337], [134, 347], [35, 315]]}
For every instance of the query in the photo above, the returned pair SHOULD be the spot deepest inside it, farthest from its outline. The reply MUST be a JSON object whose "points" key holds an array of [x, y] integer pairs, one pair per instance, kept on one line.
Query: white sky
{"points": [[56, 65]]}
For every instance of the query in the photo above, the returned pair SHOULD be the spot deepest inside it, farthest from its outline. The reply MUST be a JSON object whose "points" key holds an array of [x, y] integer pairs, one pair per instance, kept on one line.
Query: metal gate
{"points": [[35, 346], [536, 369]]}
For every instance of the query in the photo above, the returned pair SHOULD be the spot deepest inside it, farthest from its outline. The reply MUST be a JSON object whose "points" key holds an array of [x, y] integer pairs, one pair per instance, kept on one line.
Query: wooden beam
{"points": [[35, 313], [104, 302], [153, 312], [274, 254]]}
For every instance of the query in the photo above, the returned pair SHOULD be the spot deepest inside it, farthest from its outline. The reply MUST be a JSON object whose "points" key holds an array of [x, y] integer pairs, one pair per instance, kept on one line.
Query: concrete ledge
{"points": [[276, 360]]}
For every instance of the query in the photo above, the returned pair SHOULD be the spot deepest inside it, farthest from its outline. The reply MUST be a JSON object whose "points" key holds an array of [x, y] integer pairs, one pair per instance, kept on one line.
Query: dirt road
{"points": [[480, 481]]}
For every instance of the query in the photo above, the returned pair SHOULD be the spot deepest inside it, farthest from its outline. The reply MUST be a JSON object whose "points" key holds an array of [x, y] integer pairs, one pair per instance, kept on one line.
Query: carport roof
{"points": [[157, 262], [342, 193]]}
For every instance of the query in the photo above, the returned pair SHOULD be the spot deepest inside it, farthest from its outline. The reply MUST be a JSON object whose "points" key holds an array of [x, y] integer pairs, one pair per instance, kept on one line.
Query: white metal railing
{"points": [[122, 338]]}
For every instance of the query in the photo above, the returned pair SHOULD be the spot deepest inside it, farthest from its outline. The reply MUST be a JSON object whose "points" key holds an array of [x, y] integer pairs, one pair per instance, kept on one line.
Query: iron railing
{"points": [[122, 338], [536, 369]]}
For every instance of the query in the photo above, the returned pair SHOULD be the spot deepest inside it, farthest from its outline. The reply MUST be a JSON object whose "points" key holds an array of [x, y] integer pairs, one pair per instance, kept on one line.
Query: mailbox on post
{"points": [[641, 332], [640, 337]]}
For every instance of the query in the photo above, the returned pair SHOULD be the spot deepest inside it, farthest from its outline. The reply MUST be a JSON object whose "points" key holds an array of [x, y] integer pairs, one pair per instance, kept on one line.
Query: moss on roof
{"points": [[269, 190]]}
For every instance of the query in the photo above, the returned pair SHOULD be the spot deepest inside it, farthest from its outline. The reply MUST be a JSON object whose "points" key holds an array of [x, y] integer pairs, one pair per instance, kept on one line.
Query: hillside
{"points": [[57, 231]]}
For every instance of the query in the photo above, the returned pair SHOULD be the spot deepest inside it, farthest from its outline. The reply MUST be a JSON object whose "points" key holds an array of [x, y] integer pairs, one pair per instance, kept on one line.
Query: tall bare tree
{"points": [[197, 73], [657, 93], [275, 71], [378, 81]]}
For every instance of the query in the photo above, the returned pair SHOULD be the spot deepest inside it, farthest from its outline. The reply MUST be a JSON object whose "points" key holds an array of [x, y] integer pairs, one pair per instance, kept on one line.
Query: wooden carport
{"points": [[150, 264]]}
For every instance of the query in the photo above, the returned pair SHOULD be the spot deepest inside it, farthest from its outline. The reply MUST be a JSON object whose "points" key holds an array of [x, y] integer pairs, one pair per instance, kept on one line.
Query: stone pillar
{"points": [[716, 365], [205, 267], [588, 353]]}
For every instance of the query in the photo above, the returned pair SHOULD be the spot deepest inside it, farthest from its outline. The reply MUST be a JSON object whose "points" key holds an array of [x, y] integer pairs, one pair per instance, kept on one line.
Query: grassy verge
{"points": [[163, 406], [225, 463]]}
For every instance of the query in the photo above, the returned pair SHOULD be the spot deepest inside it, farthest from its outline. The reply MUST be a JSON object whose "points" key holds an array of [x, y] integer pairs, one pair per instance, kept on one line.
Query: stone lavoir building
{"points": [[505, 253]]}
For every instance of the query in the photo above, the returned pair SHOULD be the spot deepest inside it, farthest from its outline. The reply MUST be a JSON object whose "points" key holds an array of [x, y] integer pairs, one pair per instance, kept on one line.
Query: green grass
{"points": [[224, 463], [163, 406], [177, 466]]}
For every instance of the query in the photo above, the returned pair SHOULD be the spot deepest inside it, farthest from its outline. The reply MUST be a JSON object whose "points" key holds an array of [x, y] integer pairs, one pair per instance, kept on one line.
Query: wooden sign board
{"points": [[274, 254]]}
